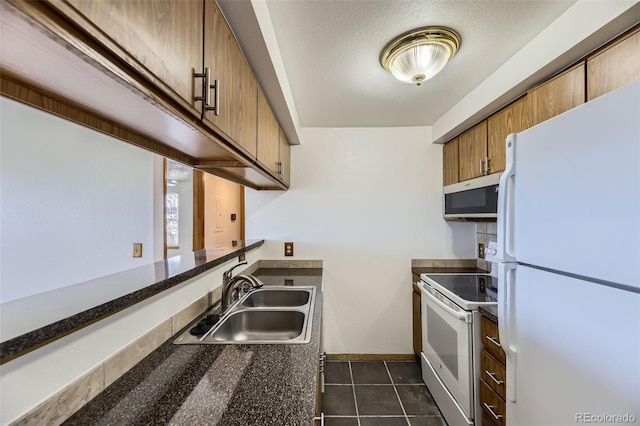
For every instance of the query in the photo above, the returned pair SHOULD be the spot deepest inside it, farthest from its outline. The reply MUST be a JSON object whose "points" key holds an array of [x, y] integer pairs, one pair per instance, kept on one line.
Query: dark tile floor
{"points": [[377, 393]]}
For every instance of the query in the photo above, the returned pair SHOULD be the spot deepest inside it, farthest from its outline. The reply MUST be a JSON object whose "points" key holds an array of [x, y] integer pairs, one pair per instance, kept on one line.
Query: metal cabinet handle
{"points": [[493, 377], [481, 166], [494, 341], [487, 168], [216, 106], [207, 86], [493, 413], [206, 75]]}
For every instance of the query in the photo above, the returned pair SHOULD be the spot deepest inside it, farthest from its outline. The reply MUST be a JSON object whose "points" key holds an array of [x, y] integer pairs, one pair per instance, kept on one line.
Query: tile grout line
{"points": [[353, 388], [397, 394]]}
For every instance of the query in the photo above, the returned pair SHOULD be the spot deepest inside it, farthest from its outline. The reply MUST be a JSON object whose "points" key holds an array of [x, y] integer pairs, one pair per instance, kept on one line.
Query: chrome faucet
{"points": [[229, 282]]}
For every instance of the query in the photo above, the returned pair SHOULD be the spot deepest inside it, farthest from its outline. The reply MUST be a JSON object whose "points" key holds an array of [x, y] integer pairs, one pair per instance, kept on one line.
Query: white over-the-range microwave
{"points": [[475, 198]]}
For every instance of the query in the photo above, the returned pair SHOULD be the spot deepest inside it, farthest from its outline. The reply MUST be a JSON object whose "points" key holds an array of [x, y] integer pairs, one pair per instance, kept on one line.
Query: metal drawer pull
{"points": [[494, 341], [493, 377], [490, 408]]}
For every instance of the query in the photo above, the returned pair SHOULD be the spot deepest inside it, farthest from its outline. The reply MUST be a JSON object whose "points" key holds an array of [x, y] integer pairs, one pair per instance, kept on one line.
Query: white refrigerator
{"points": [[569, 266]]}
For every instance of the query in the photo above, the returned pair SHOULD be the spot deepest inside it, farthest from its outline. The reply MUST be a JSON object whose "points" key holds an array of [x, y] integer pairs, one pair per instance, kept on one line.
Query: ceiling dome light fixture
{"points": [[419, 54]]}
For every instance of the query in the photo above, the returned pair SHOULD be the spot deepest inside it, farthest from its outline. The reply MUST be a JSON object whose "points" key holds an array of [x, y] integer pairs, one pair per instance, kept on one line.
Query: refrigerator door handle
{"points": [[506, 323], [506, 204]]}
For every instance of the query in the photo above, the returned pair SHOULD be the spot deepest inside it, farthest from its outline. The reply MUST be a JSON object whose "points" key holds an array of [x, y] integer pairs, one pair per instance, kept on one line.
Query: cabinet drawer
{"points": [[493, 373], [492, 405], [491, 340]]}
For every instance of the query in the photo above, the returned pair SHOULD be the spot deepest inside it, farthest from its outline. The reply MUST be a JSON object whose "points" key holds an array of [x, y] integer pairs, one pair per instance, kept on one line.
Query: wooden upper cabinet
{"points": [[560, 94], [164, 37], [247, 112], [511, 119], [472, 152], [234, 94], [450, 162], [285, 158], [268, 135], [614, 66]]}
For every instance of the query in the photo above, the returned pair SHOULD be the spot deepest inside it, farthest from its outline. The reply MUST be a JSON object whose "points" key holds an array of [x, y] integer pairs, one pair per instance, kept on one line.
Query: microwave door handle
{"points": [[462, 316]]}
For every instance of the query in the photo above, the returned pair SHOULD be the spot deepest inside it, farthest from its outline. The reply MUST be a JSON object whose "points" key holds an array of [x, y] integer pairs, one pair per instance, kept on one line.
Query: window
{"points": [[172, 221]]}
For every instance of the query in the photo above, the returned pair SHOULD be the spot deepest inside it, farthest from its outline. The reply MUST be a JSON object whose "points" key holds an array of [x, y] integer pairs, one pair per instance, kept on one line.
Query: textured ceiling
{"points": [[330, 51]]}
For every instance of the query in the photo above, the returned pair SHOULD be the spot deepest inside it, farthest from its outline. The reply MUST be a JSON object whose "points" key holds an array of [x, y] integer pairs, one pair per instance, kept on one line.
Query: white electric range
{"points": [[451, 341]]}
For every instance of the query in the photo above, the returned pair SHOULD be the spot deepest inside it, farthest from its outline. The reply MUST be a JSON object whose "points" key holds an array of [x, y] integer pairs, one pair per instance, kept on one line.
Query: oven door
{"points": [[447, 344]]}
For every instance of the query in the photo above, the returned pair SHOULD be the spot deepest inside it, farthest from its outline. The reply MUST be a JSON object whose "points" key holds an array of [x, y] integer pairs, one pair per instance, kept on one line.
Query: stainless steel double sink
{"points": [[268, 315]]}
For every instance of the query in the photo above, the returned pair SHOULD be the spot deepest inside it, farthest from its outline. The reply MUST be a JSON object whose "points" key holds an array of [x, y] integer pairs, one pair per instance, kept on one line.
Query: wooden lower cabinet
{"points": [[417, 321], [493, 406], [491, 340], [493, 376]]}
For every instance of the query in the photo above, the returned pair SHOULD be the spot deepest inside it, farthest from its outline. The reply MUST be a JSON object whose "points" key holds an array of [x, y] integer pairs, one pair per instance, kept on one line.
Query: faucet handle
{"points": [[227, 274]]}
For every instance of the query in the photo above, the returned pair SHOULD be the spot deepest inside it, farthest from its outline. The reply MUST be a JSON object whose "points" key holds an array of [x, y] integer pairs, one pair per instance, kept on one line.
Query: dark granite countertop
{"points": [[491, 312], [69, 308], [219, 384]]}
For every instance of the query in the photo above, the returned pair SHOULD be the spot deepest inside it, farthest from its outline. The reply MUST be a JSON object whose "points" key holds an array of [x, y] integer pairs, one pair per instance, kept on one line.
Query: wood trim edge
{"points": [[371, 357]]}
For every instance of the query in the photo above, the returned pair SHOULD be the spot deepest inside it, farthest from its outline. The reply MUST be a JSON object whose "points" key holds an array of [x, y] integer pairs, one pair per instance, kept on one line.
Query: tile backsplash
{"points": [[485, 232]]}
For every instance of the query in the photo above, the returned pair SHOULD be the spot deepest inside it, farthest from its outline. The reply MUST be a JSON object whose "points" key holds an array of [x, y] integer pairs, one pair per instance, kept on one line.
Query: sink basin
{"points": [[269, 315], [259, 326], [281, 298]]}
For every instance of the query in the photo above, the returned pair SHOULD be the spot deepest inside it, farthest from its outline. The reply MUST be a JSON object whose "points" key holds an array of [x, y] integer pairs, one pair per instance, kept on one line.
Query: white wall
{"points": [[73, 203], [221, 199], [366, 201]]}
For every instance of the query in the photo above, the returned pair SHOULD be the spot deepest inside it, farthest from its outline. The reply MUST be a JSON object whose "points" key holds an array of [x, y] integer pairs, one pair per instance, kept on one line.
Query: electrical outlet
{"points": [[137, 249], [288, 249], [481, 251]]}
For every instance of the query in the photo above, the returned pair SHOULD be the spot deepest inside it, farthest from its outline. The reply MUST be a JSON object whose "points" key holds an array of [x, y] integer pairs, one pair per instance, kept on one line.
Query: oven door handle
{"points": [[462, 316]]}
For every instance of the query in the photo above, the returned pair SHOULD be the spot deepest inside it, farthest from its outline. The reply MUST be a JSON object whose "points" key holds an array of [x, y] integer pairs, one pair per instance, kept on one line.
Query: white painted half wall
{"points": [[73, 203], [366, 201]]}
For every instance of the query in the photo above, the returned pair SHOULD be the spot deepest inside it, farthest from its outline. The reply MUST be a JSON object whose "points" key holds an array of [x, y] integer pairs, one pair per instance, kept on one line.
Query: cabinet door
{"points": [[614, 66], [510, 120], [268, 135], [417, 322], [165, 37], [247, 114], [222, 58], [285, 158], [472, 149], [560, 94], [450, 162]]}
